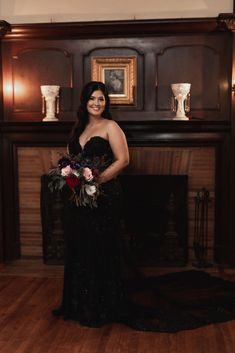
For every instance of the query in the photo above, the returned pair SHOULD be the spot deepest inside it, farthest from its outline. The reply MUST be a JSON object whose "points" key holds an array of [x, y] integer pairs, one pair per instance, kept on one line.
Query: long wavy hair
{"points": [[82, 115]]}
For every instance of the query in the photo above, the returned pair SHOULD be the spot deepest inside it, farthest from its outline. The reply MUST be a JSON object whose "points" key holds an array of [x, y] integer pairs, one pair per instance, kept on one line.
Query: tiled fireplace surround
{"points": [[198, 162]]}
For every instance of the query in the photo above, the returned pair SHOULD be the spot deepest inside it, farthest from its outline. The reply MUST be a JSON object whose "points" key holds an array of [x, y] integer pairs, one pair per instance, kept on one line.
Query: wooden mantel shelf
{"points": [[144, 126], [142, 133]]}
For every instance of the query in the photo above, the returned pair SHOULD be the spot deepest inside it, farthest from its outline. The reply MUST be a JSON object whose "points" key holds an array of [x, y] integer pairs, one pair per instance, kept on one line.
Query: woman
{"points": [[93, 287], [93, 292]]}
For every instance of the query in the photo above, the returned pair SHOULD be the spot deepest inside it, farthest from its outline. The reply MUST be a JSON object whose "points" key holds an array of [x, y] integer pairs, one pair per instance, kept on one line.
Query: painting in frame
{"points": [[119, 75]]}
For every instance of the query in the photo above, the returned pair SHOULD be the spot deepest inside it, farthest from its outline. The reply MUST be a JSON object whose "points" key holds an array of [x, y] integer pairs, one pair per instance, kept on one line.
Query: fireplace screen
{"points": [[153, 226], [154, 222]]}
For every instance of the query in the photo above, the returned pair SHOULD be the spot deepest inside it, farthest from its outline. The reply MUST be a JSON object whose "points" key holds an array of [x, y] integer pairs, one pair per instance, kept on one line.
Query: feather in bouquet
{"points": [[79, 174]]}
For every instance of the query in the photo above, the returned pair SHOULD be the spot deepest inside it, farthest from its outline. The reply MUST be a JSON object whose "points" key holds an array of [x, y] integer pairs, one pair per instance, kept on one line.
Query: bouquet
{"points": [[79, 174]]}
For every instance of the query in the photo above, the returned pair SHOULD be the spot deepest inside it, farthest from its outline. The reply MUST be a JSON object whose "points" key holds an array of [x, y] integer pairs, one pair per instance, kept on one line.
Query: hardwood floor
{"points": [[28, 292]]}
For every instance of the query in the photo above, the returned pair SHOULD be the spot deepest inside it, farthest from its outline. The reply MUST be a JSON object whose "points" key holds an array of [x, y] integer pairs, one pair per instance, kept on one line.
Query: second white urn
{"points": [[181, 94]]}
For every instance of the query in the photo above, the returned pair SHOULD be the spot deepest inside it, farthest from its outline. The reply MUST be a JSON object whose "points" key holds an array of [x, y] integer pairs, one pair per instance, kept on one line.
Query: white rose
{"points": [[90, 189], [66, 171]]}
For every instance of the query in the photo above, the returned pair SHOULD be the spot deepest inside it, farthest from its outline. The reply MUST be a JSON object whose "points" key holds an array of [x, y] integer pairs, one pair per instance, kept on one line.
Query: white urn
{"points": [[50, 97], [181, 94]]}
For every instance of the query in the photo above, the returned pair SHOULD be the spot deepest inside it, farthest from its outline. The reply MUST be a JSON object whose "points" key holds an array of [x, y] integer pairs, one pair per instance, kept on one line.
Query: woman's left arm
{"points": [[118, 144]]}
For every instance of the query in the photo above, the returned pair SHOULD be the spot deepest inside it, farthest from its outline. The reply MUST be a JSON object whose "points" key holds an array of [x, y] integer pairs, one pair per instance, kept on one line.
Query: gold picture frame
{"points": [[119, 75]]}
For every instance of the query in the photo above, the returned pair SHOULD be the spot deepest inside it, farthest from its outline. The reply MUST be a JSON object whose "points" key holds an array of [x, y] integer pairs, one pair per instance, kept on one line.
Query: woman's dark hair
{"points": [[82, 114]]}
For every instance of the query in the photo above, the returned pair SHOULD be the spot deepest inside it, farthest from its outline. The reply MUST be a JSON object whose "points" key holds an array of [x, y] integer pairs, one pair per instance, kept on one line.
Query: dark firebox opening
{"points": [[154, 224]]}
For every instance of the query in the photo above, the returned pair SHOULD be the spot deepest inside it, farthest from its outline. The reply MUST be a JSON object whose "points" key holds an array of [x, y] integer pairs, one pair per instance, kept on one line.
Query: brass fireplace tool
{"points": [[200, 242]]}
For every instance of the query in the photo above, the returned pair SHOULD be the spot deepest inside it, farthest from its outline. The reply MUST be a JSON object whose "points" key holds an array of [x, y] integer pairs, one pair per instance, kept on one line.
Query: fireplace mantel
{"points": [[145, 126], [138, 133]]}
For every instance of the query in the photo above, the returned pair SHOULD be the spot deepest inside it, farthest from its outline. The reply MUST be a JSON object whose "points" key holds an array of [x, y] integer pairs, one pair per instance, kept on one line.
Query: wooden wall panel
{"points": [[33, 67], [196, 57], [27, 66], [204, 83]]}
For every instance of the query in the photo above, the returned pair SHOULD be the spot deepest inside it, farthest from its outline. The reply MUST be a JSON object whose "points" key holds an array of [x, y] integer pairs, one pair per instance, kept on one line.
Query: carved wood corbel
{"points": [[4, 27], [227, 22]]}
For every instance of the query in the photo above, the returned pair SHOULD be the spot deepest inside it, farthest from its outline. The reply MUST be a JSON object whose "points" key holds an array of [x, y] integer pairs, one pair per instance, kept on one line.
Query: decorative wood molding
{"points": [[112, 29], [227, 22], [130, 127], [4, 27]]}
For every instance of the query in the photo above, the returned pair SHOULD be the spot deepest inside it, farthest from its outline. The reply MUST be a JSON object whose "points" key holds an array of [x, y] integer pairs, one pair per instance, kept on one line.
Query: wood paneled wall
{"points": [[165, 53], [200, 51]]}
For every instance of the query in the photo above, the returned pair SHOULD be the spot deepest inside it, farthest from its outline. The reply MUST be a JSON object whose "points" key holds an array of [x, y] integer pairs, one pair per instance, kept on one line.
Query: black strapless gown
{"points": [[92, 286], [95, 290]]}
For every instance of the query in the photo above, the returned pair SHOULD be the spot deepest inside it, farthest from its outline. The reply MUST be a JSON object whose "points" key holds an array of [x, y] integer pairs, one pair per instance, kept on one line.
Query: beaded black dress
{"points": [[92, 289], [96, 292]]}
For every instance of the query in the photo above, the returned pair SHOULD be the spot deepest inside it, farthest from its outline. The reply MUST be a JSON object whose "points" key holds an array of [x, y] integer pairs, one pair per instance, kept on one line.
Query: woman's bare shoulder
{"points": [[112, 125]]}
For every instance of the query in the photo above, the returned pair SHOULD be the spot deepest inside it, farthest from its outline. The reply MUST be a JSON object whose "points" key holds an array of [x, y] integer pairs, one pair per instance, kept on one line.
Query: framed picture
{"points": [[119, 75]]}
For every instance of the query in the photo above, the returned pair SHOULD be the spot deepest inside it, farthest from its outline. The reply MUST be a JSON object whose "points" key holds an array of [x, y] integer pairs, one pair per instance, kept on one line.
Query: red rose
{"points": [[72, 181]]}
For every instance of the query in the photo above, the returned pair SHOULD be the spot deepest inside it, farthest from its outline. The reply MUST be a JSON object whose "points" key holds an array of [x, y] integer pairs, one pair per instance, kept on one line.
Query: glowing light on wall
{"points": [[7, 88], [18, 90]]}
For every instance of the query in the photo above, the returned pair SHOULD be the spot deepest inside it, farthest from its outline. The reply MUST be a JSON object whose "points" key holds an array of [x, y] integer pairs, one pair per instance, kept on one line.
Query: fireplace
{"points": [[197, 163]]}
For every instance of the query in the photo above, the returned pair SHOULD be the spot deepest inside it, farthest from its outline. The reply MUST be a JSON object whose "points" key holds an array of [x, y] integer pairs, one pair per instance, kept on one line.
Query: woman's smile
{"points": [[96, 103]]}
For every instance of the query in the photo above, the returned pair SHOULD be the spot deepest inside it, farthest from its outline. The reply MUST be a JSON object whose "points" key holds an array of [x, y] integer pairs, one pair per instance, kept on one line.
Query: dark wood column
{"points": [[4, 28], [232, 151]]}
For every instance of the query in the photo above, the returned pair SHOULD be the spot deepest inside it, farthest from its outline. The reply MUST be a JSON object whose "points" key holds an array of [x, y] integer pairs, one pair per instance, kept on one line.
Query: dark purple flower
{"points": [[75, 165], [63, 162]]}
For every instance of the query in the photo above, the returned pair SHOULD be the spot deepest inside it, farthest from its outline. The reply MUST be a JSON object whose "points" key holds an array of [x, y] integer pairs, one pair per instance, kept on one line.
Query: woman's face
{"points": [[96, 103]]}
